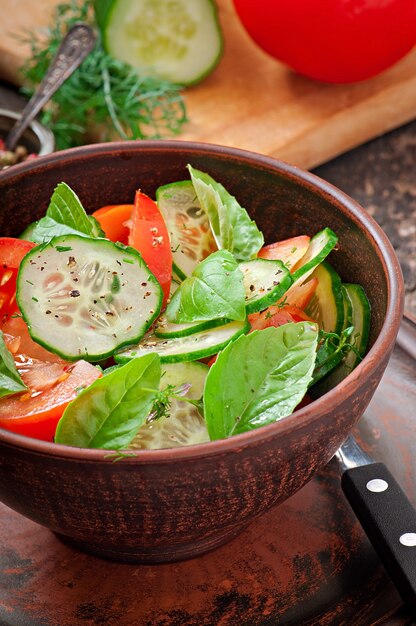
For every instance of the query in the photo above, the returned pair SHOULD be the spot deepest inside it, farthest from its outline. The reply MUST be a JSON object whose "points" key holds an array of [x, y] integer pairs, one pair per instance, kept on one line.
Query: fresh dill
{"points": [[105, 98]]}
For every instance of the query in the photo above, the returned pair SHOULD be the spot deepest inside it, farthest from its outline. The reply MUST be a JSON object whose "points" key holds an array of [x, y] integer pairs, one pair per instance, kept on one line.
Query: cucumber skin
{"points": [[362, 296], [337, 295], [199, 326], [340, 370], [96, 358], [104, 9], [321, 256]]}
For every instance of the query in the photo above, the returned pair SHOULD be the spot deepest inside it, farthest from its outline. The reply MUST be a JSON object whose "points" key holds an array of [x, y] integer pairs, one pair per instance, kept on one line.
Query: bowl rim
{"points": [[44, 135], [382, 345]]}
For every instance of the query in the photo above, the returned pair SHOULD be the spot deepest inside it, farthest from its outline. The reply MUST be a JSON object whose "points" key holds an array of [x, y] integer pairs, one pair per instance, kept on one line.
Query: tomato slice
{"points": [[300, 295], [52, 386], [12, 252], [21, 344], [277, 316], [289, 251], [150, 236], [113, 220]]}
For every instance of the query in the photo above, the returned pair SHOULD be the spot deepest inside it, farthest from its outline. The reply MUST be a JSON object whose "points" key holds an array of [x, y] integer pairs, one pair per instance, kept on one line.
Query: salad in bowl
{"points": [[183, 348], [168, 321]]}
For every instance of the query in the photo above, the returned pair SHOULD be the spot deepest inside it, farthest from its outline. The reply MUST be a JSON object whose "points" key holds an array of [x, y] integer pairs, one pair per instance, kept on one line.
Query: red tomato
{"points": [[12, 252], [21, 344], [52, 386], [289, 251], [337, 41], [112, 219], [277, 316], [150, 236], [300, 295]]}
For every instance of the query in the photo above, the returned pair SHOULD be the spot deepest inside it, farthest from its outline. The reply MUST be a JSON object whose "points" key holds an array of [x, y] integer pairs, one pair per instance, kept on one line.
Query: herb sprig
{"points": [[105, 98]]}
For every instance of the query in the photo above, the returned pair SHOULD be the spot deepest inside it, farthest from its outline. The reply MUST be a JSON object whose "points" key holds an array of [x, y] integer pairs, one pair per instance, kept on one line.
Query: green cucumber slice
{"points": [[360, 319], [189, 228], [192, 348], [179, 41], [327, 303], [319, 247], [83, 298], [265, 281], [359, 316], [167, 330], [184, 425]]}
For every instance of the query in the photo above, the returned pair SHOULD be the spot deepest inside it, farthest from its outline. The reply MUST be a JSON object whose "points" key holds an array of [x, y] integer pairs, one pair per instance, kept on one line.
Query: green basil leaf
{"points": [[10, 380], [231, 225], [65, 216], [259, 378], [214, 291], [109, 413]]}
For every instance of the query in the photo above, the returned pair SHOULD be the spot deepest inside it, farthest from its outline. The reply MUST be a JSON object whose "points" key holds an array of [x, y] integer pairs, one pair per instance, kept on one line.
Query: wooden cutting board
{"points": [[252, 101]]}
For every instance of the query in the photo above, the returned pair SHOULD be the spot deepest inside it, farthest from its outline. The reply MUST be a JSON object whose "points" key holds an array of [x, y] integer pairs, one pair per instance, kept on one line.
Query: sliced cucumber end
{"points": [[181, 42]]}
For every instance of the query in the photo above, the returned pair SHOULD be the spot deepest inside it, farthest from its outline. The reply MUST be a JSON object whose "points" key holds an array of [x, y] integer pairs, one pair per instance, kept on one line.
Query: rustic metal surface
{"points": [[306, 561]]}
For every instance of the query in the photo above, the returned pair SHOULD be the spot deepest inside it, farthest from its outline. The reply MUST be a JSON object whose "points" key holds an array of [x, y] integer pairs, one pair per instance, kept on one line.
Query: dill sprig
{"points": [[105, 98]]}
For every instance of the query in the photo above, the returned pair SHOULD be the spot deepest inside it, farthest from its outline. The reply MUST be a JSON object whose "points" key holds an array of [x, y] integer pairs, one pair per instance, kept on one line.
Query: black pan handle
{"points": [[389, 520]]}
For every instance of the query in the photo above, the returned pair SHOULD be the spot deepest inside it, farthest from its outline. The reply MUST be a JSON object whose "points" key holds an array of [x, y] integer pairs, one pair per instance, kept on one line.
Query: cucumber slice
{"points": [[180, 41], [192, 348], [327, 303], [265, 281], [360, 319], [319, 247], [189, 228], [184, 425], [82, 298], [168, 330], [359, 316]]}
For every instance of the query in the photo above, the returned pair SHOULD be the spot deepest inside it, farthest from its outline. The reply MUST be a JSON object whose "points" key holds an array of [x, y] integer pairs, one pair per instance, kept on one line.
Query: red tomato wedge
{"points": [[112, 219], [300, 295], [52, 386], [150, 236], [277, 316], [20, 343], [289, 251], [12, 252]]}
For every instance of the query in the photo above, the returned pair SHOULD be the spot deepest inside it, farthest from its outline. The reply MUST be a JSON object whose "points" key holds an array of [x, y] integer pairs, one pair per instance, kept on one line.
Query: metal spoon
{"points": [[76, 45]]}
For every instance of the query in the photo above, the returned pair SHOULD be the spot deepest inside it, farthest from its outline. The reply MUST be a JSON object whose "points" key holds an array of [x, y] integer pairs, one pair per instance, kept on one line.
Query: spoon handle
{"points": [[76, 45]]}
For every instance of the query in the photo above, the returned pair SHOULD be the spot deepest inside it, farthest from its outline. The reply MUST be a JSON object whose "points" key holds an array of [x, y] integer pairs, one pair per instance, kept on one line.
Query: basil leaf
{"points": [[231, 225], [10, 380], [259, 378], [65, 216], [214, 291], [109, 413]]}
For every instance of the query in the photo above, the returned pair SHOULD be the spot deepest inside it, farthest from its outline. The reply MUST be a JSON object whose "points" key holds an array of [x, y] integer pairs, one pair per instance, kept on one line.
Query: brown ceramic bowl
{"points": [[165, 505]]}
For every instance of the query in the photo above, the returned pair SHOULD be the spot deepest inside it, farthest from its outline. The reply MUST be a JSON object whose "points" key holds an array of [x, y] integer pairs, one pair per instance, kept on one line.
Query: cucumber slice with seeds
{"points": [[192, 348], [265, 281], [180, 41], [189, 228], [184, 425], [83, 298], [327, 303]]}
